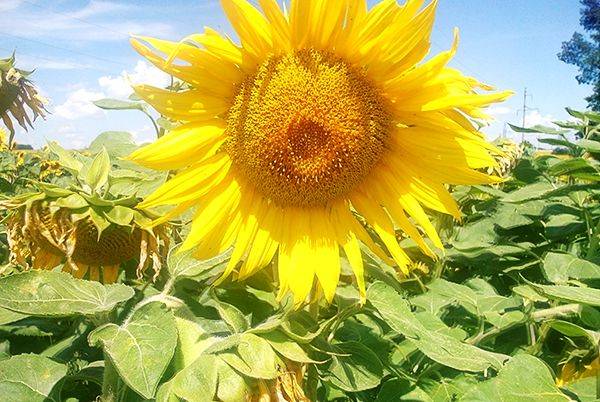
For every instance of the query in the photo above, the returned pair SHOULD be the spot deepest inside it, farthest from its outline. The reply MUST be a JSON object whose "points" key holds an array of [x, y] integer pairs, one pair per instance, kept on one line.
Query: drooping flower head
{"points": [[47, 230], [320, 113], [17, 94]]}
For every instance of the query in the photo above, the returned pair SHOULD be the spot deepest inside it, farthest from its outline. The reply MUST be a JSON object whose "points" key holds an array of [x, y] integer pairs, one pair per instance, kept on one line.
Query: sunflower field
{"points": [[319, 219]]}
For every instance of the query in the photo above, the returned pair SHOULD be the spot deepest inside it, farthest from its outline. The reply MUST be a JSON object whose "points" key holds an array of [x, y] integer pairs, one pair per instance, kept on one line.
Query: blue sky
{"points": [[81, 53]]}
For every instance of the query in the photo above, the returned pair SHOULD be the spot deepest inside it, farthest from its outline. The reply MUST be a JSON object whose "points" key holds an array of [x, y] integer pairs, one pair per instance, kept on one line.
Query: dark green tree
{"points": [[583, 51]]}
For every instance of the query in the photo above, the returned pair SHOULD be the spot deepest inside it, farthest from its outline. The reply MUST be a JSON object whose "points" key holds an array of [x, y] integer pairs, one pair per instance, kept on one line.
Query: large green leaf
{"points": [[571, 294], [8, 316], [116, 104], [97, 174], [47, 293], [524, 378], [116, 143], [30, 378], [65, 158], [253, 357], [141, 348], [183, 264], [438, 346], [195, 383], [353, 367], [559, 267]]}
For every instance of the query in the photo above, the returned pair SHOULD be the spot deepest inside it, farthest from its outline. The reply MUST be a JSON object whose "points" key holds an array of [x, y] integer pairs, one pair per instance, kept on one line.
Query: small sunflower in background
{"points": [[92, 242], [321, 113], [3, 139], [17, 95]]}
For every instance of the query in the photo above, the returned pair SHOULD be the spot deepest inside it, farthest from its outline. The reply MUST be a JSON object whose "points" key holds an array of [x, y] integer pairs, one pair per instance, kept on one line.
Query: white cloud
{"points": [[79, 104], [534, 118], [497, 111], [145, 134], [143, 73]]}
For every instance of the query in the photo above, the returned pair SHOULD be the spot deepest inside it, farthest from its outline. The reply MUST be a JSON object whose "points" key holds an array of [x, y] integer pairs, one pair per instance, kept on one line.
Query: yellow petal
{"points": [[191, 183], [182, 146], [280, 28], [201, 66], [251, 26], [192, 105], [216, 209], [377, 218]]}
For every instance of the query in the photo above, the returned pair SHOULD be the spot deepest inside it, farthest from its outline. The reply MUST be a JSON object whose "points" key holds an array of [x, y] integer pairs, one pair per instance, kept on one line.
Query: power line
{"points": [[63, 48], [37, 57], [76, 18]]}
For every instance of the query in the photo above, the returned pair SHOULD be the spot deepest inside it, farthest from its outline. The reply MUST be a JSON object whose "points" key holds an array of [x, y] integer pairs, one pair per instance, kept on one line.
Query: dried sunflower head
{"points": [[91, 240], [507, 159], [49, 168], [287, 387], [17, 94]]}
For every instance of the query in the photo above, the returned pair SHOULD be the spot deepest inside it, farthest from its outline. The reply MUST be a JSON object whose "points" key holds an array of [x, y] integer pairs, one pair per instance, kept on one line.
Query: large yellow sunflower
{"points": [[320, 113]]}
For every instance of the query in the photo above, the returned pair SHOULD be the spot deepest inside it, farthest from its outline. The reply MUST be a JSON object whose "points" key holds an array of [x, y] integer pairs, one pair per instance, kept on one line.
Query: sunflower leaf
{"points": [[141, 348], [524, 378], [30, 378], [97, 174], [46, 293]]}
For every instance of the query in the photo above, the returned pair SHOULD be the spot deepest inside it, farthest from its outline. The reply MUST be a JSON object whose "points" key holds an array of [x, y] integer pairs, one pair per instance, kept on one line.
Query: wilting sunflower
{"points": [[17, 94], [321, 113], [44, 232]]}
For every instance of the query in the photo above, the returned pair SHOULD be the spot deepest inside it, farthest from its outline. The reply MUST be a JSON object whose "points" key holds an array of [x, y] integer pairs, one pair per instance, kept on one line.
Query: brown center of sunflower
{"points": [[306, 128]]}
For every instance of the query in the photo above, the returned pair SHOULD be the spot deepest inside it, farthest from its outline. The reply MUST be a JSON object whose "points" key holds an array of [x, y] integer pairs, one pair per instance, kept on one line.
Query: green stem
{"points": [[594, 241], [159, 133], [538, 316]]}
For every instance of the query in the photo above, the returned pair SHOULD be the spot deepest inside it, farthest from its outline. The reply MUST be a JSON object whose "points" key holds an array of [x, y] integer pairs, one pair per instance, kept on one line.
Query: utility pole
{"points": [[524, 105], [524, 112]]}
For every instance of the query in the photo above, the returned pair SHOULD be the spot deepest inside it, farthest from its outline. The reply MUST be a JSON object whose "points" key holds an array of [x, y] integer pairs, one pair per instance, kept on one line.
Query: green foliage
{"points": [[512, 301]]}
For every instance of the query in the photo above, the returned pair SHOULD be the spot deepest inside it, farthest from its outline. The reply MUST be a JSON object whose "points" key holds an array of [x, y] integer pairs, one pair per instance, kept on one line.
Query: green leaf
{"points": [[438, 346], [231, 385], [8, 316], [573, 330], [195, 383], [559, 267], [539, 129], [183, 264], [353, 367], [47, 293], [589, 145], [141, 348], [72, 201], [524, 378], [30, 378], [570, 294], [116, 104], [286, 347], [254, 357], [97, 174], [120, 215], [232, 316], [529, 192], [117, 143], [98, 221], [563, 225], [590, 317], [571, 166], [65, 158]]}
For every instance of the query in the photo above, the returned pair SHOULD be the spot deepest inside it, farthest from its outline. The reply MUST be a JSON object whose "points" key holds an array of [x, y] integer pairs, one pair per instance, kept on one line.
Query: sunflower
{"points": [[44, 232], [17, 94], [319, 115]]}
